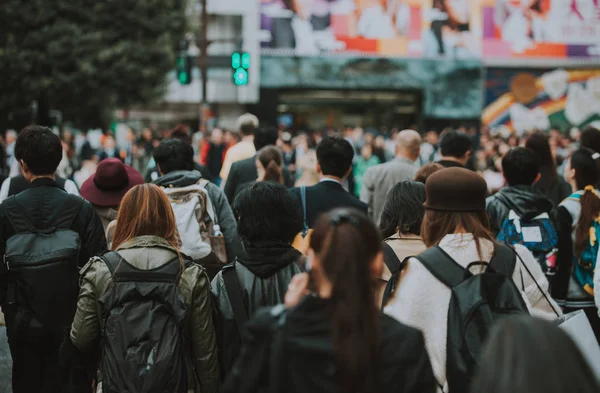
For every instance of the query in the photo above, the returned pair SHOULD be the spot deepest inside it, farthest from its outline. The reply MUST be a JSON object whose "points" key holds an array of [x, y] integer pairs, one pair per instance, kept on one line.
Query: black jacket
{"points": [[304, 358], [554, 188], [43, 203], [524, 200], [243, 172], [264, 273], [325, 196]]}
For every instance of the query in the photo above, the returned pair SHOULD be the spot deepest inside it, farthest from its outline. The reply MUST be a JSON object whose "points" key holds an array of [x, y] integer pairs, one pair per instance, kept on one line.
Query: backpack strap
{"points": [[442, 266], [234, 292], [111, 259], [17, 184], [504, 260], [390, 288], [210, 209], [305, 218]]}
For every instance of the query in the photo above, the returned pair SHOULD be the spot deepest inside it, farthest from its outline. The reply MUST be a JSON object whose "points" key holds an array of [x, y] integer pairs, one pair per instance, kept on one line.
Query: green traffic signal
{"points": [[184, 70], [246, 60], [240, 77], [236, 61]]}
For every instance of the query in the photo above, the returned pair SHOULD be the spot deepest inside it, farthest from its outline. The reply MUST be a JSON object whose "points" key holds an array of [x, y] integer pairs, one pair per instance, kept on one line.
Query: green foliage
{"points": [[86, 57]]}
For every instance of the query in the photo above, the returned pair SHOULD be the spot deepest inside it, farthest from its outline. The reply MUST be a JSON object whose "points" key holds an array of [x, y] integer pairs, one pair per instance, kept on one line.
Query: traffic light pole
{"points": [[204, 65]]}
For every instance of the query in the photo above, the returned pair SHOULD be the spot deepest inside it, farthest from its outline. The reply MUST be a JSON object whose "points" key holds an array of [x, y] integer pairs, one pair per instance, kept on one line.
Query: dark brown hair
{"points": [[270, 159], [347, 242], [437, 224], [426, 171], [145, 211]]}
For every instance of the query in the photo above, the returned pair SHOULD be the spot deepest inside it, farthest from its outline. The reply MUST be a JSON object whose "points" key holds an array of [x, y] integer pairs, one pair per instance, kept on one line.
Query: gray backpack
{"points": [[43, 277], [143, 347]]}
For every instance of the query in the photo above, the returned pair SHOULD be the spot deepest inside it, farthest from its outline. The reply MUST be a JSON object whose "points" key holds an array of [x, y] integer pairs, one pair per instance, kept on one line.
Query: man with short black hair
{"points": [[42, 211], [244, 171], [455, 149], [521, 169], [334, 164], [175, 162]]}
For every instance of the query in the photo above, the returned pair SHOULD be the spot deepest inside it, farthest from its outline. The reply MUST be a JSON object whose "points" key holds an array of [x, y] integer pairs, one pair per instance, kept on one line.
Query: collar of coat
{"points": [[146, 241]]}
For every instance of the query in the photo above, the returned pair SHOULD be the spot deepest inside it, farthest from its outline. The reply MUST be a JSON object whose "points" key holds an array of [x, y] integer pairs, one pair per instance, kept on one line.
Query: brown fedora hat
{"points": [[110, 183]]}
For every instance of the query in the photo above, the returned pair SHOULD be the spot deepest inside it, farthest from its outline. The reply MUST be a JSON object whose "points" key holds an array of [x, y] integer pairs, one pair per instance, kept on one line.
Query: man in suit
{"points": [[380, 179], [455, 148], [244, 171], [334, 164]]}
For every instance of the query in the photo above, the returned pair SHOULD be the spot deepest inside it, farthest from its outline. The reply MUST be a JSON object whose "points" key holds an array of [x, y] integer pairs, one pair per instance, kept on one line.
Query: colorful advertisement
{"points": [[541, 28], [413, 28], [525, 100]]}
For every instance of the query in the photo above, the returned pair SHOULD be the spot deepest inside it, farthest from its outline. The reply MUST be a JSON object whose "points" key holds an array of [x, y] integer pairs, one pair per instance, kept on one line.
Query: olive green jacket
{"points": [[150, 252]]}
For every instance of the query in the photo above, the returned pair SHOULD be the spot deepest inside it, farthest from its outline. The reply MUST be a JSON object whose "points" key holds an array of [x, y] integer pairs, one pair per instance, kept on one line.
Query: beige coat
{"points": [[422, 301]]}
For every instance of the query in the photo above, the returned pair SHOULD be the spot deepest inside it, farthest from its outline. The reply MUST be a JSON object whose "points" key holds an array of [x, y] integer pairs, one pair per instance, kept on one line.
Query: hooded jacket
{"points": [[264, 272], [151, 252], [223, 211], [304, 353], [524, 200]]}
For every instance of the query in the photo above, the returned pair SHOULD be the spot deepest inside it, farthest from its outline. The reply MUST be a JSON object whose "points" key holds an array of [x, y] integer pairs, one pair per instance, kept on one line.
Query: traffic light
{"points": [[240, 63], [184, 69]]}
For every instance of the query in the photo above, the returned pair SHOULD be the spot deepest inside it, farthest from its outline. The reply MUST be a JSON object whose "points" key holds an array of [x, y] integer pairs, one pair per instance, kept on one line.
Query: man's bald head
{"points": [[408, 144]]}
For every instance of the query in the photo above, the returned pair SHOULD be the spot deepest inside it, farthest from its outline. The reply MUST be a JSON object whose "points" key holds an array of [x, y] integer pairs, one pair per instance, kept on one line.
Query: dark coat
{"points": [[555, 188], [524, 200], [264, 274], [325, 196], [243, 172], [305, 354]]}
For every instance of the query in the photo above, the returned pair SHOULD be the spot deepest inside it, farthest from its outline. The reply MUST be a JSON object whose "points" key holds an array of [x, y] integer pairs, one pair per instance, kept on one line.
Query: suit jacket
{"points": [[325, 196], [380, 179], [243, 172]]}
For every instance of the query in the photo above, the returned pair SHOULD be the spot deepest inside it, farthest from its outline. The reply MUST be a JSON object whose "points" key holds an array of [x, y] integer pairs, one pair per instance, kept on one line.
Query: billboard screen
{"points": [[541, 28], [414, 28]]}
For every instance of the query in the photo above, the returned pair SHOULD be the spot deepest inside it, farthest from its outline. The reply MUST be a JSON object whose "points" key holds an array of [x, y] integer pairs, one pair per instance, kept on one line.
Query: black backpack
{"points": [[476, 303], [43, 276], [143, 346]]}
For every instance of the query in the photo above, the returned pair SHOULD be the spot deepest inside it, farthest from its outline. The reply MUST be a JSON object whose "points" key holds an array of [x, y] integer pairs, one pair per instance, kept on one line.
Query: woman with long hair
{"points": [[528, 355], [146, 240], [269, 164], [335, 340], [551, 184], [578, 229], [456, 221], [400, 226]]}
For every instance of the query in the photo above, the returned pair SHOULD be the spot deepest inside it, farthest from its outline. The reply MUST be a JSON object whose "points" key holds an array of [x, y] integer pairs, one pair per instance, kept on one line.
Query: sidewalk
{"points": [[5, 363]]}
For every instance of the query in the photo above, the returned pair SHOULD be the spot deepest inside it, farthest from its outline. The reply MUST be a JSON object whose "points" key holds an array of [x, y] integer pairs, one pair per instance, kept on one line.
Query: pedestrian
{"points": [[213, 154], [365, 160], [455, 149], [520, 214], [269, 165], [456, 227], [105, 189], [579, 229], [426, 171], [46, 235], [109, 148], [401, 228], [335, 340], [245, 171], [379, 180], [246, 125], [268, 221], [131, 286], [551, 184], [205, 222], [528, 355]]}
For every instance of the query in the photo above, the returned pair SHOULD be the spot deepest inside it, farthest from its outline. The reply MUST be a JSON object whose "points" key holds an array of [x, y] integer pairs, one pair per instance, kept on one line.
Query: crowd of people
{"points": [[326, 262]]}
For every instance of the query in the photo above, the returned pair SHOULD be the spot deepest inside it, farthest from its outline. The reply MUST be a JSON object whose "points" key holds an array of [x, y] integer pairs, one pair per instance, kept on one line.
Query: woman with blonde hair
{"points": [[149, 308]]}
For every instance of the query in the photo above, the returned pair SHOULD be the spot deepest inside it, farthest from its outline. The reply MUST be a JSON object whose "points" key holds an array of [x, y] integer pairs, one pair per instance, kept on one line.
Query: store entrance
{"points": [[321, 109]]}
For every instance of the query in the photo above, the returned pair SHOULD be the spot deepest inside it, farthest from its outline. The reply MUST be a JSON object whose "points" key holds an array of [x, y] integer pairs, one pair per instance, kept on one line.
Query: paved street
{"points": [[5, 363]]}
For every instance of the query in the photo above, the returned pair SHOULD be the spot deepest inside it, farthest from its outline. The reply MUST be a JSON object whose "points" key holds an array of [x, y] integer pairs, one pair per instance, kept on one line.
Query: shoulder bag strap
{"points": [[234, 292], [390, 288], [442, 266], [390, 258], [504, 260], [305, 218], [276, 354]]}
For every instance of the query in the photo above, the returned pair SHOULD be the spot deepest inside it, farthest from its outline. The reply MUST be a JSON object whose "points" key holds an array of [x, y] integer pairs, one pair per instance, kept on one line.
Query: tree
{"points": [[86, 57]]}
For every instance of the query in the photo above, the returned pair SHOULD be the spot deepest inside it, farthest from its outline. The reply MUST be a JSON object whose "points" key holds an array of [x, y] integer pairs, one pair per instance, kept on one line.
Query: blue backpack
{"points": [[585, 263], [538, 235]]}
